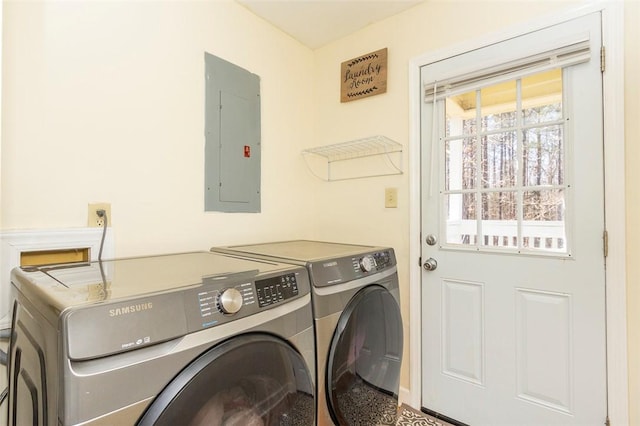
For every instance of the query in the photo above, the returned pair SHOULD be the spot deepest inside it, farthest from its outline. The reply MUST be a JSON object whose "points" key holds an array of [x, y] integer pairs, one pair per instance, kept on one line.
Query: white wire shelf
{"points": [[361, 148]]}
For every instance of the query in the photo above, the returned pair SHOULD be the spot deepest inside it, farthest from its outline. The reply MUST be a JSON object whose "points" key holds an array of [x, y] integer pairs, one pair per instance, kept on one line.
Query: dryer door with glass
{"points": [[363, 367], [251, 379]]}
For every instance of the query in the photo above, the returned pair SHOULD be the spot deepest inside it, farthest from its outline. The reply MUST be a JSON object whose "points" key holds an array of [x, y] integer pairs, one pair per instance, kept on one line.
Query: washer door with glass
{"points": [[363, 367], [250, 380]]}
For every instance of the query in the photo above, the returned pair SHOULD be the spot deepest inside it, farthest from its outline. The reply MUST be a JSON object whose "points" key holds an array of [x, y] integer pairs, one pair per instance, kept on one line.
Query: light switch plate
{"points": [[391, 198]]}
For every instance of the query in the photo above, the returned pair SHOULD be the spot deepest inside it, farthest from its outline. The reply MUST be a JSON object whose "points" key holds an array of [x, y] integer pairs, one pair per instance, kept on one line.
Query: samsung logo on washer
{"points": [[131, 309]]}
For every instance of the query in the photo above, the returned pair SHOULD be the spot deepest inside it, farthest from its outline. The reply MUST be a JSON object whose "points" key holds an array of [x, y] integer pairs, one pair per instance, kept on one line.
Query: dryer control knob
{"points": [[367, 263], [230, 301]]}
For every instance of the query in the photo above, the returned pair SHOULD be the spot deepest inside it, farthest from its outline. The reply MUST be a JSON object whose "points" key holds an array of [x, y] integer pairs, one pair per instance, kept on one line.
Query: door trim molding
{"points": [[613, 106]]}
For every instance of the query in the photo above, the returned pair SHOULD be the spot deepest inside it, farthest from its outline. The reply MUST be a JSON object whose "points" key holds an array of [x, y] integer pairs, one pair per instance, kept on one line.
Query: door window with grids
{"points": [[504, 184]]}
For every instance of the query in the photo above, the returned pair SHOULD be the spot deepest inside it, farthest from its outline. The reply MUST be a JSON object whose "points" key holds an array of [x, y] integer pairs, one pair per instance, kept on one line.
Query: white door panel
{"points": [[513, 319], [463, 330]]}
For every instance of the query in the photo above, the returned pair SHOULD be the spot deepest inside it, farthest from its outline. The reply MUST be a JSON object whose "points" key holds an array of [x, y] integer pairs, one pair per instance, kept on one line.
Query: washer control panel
{"points": [[276, 289], [218, 301], [213, 301]]}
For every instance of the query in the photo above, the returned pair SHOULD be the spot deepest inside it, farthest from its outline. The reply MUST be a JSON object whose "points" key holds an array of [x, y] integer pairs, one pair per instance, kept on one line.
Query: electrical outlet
{"points": [[391, 198], [95, 221]]}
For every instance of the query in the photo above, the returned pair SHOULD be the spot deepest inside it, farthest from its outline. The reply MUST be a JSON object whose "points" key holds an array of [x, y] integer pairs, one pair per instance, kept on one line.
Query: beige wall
{"points": [[103, 101]]}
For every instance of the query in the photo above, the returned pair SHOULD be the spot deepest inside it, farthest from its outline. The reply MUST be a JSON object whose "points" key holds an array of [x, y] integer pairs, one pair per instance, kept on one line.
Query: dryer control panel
{"points": [[349, 268]]}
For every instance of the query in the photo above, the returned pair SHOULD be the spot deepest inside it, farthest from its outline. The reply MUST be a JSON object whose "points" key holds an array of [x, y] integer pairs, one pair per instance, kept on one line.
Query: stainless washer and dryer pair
{"points": [[358, 326], [182, 339]]}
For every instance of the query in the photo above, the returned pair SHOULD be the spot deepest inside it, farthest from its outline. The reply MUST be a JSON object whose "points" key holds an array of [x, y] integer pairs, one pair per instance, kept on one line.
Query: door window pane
{"points": [[543, 227], [460, 115], [460, 164], [543, 156], [542, 97], [499, 165], [517, 154], [499, 219], [461, 226], [498, 106]]}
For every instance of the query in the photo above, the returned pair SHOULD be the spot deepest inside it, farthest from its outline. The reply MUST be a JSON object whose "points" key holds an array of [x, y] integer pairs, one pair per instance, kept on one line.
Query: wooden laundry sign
{"points": [[364, 76]]}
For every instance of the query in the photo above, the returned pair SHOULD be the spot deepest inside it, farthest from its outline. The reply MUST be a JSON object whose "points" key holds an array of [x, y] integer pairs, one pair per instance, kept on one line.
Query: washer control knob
{"points": [[230, 301], [367, 263]]}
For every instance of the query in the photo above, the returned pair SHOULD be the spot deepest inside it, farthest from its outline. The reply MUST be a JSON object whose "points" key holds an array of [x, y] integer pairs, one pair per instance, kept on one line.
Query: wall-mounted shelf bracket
{"points": [[367, 157]]}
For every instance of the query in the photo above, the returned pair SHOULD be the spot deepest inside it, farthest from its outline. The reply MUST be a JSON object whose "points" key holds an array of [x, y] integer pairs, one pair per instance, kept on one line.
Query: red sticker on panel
{"points": [[247, 151]]}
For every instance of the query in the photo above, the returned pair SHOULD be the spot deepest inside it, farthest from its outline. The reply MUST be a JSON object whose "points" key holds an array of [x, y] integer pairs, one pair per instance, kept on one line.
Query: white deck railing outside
{"points": [[548, 235]]}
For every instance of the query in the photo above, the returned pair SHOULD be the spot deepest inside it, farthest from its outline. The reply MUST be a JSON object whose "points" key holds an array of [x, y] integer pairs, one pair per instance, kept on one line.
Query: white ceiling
{"points": [[317, 22]]}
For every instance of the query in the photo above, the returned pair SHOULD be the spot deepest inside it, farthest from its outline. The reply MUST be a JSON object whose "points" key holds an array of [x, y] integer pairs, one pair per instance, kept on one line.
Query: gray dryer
{"points": [[359, 337]]}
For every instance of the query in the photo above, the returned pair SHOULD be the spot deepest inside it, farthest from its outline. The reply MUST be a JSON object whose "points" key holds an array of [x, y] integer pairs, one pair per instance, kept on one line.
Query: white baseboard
{"points": [[404, 396]]}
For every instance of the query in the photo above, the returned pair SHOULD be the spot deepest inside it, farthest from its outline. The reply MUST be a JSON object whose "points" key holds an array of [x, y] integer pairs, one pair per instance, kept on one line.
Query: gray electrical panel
{"points": [[232, 137]]}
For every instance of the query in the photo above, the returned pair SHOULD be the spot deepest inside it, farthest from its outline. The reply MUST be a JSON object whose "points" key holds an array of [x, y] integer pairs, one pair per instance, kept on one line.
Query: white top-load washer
{"points": [[189, 339], [359, 336]]}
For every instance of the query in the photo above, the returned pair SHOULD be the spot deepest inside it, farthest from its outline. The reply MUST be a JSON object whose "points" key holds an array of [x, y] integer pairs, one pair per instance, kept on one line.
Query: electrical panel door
{"points": [[232, 137]]}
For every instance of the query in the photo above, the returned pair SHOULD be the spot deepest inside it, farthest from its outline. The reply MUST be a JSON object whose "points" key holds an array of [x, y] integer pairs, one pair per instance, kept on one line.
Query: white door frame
{"points": [[613, 102]]}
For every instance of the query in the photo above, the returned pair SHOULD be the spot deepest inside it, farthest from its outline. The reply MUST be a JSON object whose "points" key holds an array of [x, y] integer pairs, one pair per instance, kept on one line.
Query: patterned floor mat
{"points": [[407, 416], [364, 405]]}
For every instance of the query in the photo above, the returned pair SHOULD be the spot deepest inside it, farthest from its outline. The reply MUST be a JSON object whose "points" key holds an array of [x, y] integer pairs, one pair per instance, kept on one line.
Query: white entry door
{"points": [[513, 303]]}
